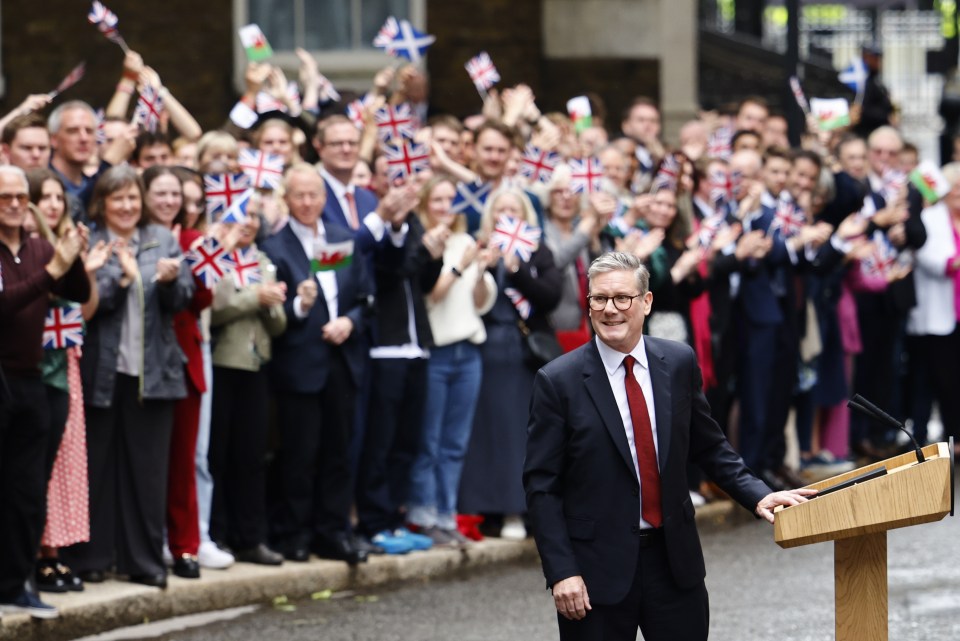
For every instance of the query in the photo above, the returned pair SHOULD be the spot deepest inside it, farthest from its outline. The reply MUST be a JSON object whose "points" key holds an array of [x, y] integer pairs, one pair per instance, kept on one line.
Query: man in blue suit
{"points": [[316, 371], [612, 427]]}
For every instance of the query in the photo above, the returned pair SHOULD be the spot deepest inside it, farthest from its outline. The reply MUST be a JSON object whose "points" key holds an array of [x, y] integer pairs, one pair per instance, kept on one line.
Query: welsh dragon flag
{"points": [[332, 256], [929, 181]]}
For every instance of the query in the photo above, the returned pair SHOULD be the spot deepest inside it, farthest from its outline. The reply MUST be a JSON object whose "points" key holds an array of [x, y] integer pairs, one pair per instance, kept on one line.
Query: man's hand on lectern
{"points": [[787, 497]]}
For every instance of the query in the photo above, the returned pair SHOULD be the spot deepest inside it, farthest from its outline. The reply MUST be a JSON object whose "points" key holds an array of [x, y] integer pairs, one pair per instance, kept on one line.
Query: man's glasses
{"points": [[598, 302], [6, 199]]}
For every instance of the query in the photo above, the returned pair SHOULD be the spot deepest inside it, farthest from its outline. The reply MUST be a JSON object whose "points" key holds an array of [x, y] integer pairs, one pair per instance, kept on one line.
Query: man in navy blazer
{"points": [[617, 538], [316, 371]]}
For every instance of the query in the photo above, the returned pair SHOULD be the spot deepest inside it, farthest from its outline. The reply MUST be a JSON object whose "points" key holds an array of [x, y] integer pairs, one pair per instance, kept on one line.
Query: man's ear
{"points": [[4, 154], [317, 145]]}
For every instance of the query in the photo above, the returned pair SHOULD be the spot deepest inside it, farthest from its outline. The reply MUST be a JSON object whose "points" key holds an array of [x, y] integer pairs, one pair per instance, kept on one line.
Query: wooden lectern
{"points": [[857, 519]]}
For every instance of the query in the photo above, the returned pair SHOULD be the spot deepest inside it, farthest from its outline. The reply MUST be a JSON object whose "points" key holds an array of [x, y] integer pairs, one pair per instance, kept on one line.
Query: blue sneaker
{"points": [[391, 543], [29, 604], [420, 542]]}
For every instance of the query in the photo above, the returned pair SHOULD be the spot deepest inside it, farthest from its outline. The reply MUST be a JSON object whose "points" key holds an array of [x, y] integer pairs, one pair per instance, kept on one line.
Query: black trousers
{"points": [[874, 373], [128, 451], [24, 433], [316, 484], [391, 437], [237, 457], [943, 358], [654, 605]]}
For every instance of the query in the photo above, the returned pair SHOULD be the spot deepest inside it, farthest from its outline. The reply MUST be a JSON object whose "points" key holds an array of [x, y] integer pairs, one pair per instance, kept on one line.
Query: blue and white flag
{"points": [[855, 76], [410, 43]]}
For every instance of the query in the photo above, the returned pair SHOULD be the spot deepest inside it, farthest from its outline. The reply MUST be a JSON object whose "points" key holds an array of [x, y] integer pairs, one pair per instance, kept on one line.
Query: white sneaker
{"points": [[167, 556], [513, 528], [212, 557]]}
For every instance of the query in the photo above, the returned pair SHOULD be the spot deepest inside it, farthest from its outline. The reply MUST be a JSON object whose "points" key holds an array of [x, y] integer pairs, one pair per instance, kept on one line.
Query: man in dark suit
{"points": [[316, 370], [612, 427]]}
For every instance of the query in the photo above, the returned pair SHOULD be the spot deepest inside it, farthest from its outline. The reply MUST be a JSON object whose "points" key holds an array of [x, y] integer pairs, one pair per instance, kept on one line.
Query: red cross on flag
{"points": [[265, 170], [63, 327], [585, 175], [514, 236], [406, 159]]}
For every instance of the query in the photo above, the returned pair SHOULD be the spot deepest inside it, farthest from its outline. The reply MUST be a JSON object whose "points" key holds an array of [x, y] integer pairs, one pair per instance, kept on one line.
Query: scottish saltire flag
{"points": [[410, 43], [855, 76], [881, 259], [387, 33], [246, 267], [395, 122], [788, 218], [148, 110], [209, 261], [223, 190], [514, 236], [106, 21], [667, 174], [63, 327], [585, 175], [265, 170], [482, 72], [405, 158], [519, 301], [72, 78], [471, 197], [237, 211], [537, 164]]}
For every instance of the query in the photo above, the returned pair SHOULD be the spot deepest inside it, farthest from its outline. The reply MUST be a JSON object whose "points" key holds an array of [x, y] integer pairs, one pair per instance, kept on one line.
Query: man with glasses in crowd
{"points": [[612, 427]]}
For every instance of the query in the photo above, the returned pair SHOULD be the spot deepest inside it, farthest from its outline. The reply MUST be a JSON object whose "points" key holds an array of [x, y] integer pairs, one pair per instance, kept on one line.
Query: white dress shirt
{"points": [[616, 374], [371, 221], [309, 239]]}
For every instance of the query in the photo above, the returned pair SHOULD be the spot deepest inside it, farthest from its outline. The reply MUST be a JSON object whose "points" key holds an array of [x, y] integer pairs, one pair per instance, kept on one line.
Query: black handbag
{"points": [[541, 346]]}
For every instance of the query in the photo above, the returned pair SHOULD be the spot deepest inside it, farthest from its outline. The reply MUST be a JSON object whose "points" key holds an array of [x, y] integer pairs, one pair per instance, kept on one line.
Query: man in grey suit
{"points": [[612, 426]]}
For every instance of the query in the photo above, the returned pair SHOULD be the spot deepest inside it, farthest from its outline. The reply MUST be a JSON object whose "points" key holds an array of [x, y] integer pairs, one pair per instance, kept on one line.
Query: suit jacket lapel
{"points": [[598, 386], [295, 251], [660, 380]]}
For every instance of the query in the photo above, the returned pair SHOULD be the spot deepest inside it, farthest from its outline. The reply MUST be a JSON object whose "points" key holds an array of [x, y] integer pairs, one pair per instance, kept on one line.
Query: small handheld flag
{"points": [[387, 33], [222, 190], [356, 108], [721, 187], [63, 327], [789, 218], [537, 164], [585, 175], [520, 302], [929, 181], [405, 158], [148, 110], [580, 113], [395, 122], [470, 200], [831, 113], [246, 267], [332, 256], [514, 236], [409, 43], [326, 92], [855, 77], [265, 170], [209, 261], [255, 43], [237, 211], [667, 174], [798, 94], [894, 181], [482, 72], [72, 78], [718, 145], [106, 21]]}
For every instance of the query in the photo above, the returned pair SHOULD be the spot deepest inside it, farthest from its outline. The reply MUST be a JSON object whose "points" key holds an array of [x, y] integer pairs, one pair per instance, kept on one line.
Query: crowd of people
{"points": [[379, 405]]}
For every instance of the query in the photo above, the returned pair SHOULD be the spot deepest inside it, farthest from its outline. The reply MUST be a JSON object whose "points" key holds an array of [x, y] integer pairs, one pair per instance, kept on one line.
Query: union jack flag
{"points": [[667, 174], [265, 170], [788, 219], [395, 122], [223, 189], [470, 199], [718, 146], [405, 159], [149, 108], [893, 183], [482, 72], [237, 212], [63, 327], [356, 108], [326, 92], [246, 267], [538, 164], [72, 78], [519, 301], [409, 43], [106, 21], [387, 33], [101, 131], [514, 236], [709, 227], [266, 102], [882, 259], [721, 187], [209, 261], [585, 175]]}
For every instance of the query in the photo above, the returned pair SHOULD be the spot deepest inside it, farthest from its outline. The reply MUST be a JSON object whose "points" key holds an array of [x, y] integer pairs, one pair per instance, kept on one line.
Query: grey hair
{"points": [[621, 262], [12, 170], [53, 122], [951, 172]]}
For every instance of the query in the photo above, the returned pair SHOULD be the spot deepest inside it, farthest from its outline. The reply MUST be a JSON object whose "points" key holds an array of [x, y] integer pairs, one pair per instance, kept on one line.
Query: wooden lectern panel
{"points": [[860, 581], [911, 493]]}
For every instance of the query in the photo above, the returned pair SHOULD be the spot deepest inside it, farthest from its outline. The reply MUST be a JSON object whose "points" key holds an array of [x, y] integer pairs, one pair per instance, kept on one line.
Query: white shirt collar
{"points": [[304, 233], [613, 360], [767, 199]]}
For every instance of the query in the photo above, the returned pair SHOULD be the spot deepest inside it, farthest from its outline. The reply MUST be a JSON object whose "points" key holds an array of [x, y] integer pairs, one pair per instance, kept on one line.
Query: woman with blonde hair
{"points": [[528, 290]]}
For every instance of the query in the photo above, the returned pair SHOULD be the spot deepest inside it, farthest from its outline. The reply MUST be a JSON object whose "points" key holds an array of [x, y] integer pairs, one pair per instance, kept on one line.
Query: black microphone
{"points": [[864, 406]]}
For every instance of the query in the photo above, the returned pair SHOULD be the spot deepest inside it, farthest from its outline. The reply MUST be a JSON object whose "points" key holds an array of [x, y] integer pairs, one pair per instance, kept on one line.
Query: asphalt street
{"points": [[757, 592]]}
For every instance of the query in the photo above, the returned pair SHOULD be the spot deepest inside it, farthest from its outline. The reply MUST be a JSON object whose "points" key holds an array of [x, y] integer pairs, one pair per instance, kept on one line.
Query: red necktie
{"points": [[646, 452], [353, 219]]}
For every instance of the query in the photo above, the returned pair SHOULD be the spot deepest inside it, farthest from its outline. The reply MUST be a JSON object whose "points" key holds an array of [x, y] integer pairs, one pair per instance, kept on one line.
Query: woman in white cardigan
{"points": [[935, 318]]}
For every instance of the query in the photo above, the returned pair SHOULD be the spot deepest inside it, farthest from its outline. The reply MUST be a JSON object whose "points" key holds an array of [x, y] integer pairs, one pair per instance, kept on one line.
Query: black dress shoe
{"points": [[93, 576], [339, 548], [261, 555], [186, 566], [47, 578], [152, 580], [298, 554], [363, 544], [71, 580]]}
